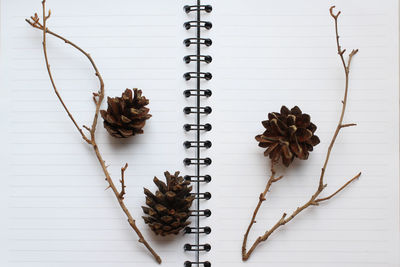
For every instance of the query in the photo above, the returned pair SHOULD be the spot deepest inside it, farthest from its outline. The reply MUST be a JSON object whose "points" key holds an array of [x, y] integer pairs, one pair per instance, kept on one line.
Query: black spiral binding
{"points": [[198, 161]]}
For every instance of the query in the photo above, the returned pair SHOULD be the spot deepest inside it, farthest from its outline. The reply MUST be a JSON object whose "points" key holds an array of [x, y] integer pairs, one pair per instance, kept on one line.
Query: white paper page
{"points": [[273, 53], [55, 211]]}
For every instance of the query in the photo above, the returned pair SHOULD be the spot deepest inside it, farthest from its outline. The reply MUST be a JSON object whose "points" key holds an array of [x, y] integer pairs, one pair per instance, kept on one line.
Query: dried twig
{"points": [[314, 200], [261, 199], [98, 99], [123, 186]]}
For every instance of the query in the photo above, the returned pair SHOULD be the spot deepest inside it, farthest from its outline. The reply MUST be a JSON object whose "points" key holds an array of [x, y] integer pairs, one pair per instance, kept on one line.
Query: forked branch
{"points": [[314, 200], [98, 99], [261, 199]]}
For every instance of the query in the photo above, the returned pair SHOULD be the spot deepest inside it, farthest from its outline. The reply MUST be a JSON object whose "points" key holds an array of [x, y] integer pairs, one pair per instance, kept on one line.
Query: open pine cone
{"points": [[288, 134], [126, 115], [168, 209]]}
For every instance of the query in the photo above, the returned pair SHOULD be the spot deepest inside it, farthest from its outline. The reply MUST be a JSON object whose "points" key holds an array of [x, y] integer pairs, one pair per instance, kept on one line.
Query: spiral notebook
{"points": [[212, 71]]}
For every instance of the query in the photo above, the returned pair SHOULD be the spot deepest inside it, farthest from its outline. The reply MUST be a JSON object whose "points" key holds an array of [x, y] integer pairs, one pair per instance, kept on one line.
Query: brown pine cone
{"points": [[126, 115], [168, 209], [288, 134]]}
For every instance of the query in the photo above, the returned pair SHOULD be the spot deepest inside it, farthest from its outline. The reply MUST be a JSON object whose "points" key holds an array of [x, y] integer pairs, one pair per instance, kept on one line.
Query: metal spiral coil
{"points": [[195, 178], [194, 92], [198, 127], [194, 127], [203, 58], [191, 263]]}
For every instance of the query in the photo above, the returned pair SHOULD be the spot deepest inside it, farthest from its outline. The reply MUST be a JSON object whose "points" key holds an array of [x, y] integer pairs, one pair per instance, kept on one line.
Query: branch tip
{"points": [[340, 189], [355, 51], [125, 167], [48, 16], [348, 125], [332, 14]]}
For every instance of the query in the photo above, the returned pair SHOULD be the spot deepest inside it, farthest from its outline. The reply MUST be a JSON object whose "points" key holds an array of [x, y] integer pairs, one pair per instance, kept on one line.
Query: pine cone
{"points": [[126, 116], [168, 209], [288, 134]]}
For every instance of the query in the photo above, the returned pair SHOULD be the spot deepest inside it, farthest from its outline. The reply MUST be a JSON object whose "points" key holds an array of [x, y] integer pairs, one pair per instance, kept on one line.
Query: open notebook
{"points": [[54, 210]]}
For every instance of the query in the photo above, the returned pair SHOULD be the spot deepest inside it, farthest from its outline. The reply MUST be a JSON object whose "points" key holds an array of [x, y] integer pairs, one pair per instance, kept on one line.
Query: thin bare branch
{"points": [[261, 199], [340, 189], [277, 179], [87, 128], [98, 99], [348, 125], [36, 24]]}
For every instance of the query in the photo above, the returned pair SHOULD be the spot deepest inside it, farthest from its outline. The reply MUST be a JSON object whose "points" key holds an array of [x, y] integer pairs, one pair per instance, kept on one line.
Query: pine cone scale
{"points": [[313, 141], [270, 148], [303, 135]]}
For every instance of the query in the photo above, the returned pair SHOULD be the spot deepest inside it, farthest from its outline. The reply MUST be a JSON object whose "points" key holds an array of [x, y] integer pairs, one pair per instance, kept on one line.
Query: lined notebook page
{"points": [[266, 53], [273, 53], [55, 210]]}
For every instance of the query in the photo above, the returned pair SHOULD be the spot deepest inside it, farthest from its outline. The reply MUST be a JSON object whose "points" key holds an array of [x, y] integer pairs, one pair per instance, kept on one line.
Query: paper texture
{"points": [[271, 53], [55, 211]]}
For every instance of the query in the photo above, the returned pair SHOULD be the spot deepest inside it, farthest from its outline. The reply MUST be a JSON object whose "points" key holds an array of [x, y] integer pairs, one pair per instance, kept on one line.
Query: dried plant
{"points": [[98, 97], [315, 198]]}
